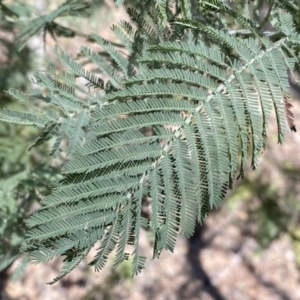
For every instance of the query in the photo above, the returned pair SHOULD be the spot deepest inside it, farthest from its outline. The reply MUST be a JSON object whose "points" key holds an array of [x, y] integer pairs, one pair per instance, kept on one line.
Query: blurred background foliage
{"points": [[270, 208], [24, 177]]}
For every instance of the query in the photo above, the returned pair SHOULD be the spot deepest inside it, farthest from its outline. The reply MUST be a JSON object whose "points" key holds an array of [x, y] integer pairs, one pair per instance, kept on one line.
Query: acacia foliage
{"points": [[206, 94]]}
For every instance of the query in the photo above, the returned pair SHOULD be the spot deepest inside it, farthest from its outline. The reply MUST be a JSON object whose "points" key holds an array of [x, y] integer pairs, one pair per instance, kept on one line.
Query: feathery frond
{"points": [[208, 111], [69, 8]]}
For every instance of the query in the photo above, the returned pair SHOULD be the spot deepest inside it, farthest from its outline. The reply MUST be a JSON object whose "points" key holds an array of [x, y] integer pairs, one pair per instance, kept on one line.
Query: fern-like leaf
{"points": [[73, 7], [207, 112]]}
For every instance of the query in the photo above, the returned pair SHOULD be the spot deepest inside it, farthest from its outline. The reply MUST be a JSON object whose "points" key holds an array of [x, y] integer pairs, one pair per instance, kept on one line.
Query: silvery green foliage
{"points": [[207, 95]]}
